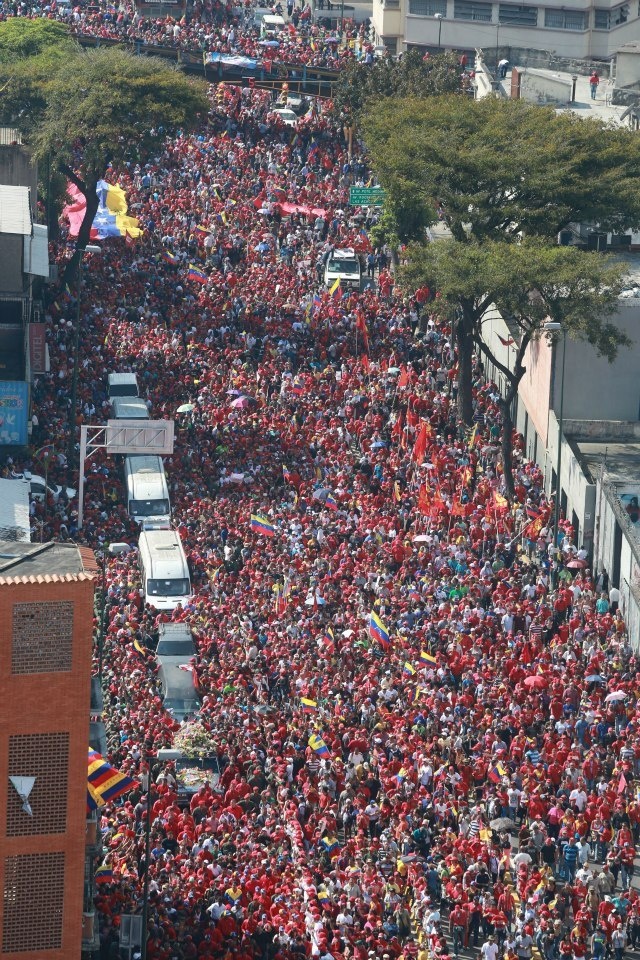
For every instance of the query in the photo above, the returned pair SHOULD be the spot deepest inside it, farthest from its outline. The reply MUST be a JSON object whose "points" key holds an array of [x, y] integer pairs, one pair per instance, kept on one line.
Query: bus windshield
{"points": [[168, 588], [343, 266], [149, 508]]}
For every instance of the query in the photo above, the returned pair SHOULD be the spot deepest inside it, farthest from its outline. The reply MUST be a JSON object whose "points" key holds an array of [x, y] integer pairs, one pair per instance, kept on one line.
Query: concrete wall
{"points": [[595, 389], [537, 87], [17, 170], [11, 256]]}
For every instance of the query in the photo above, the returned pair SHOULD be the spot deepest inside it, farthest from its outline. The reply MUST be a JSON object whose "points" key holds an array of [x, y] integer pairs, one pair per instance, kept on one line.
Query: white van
{"points": [[343, 265], [129, 408], [147, 492], [164, 568], [122, 385], [271, 26]]}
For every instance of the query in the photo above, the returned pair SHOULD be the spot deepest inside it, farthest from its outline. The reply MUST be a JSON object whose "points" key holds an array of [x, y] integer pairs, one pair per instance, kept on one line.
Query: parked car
{"points": [[287, 116], [39, 487]]}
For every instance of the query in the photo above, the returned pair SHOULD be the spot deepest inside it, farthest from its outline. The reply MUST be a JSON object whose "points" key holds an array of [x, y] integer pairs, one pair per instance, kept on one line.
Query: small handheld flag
{"points": [[308, 706], [318, 745], [334, 290], [409, 669], [262, 526], [427, 658], [194, 273], [378, 631], [104, 874]]}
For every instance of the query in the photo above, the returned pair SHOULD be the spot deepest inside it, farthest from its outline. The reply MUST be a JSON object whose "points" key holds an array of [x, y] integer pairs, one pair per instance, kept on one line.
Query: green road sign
{"points": [[366, 196]]}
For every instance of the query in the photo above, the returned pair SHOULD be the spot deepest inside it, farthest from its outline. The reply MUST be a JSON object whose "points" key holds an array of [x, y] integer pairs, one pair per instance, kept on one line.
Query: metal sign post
{"points": [[127, 437]]}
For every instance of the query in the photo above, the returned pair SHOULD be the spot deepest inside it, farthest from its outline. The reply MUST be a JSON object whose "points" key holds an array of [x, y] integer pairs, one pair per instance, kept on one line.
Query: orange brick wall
{"points": [[49, 703]]}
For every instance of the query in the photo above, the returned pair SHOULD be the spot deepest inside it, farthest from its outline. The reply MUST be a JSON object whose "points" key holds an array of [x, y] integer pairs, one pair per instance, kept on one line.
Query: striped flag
{"points": [[409, 669], [427, 658], [318, 745], [378, 631], [308, 706], [261, 525], [104, 782], [104, 874]]}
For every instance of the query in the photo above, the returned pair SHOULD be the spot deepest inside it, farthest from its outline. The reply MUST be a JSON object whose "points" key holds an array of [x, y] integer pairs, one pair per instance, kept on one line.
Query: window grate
{"points": [[428, 8], [565, 19], [472, 10], [518, 15], [44, 756], [33, 902]]}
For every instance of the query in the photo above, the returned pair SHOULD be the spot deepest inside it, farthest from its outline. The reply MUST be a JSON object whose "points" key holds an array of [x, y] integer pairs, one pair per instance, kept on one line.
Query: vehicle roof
{"points": [[122, 378], [164, 550], [130, 408], [177, 684], [147, 478]]}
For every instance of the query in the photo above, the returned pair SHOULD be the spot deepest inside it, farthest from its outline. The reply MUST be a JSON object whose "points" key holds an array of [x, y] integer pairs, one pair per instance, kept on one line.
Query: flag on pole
{"points": [[334, 289], [378, 631], [409, 669], [318, 745], [104, 782], [308, 706], [428, 659]]}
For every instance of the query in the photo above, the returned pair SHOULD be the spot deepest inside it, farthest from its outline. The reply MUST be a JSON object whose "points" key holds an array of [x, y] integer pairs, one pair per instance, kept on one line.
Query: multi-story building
{"points": [[575, 29], [46, 621]]}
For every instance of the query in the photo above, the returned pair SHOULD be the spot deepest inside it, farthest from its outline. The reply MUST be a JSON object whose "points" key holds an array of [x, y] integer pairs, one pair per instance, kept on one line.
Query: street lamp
{"points": [[557, 328], [162, 756], [439, 17], [71, 448]]}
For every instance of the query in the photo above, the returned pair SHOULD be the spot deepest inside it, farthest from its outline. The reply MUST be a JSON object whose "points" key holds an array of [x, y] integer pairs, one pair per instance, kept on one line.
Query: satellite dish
{"points": [[23, 787]]}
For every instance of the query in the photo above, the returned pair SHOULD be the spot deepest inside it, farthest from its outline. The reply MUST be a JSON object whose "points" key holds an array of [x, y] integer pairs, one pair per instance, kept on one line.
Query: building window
{"points": [[471, 10], [42, 637], [44, 756], [33, 902], [519, 16], [565, 19], [606, 19], [428, 8]]}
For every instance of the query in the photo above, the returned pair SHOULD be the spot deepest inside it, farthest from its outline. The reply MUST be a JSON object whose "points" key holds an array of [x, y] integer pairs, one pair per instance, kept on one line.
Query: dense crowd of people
{"points": [[424, 714], [212, 28]]}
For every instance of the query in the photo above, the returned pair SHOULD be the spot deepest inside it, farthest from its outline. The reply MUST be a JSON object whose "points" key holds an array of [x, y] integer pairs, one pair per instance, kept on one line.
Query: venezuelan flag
{"points": [[427, 658], [262, 526], [308, 706], [169, 257], [378, 631], [401, 776], [194, 273], [201, 230], [318, 745], [331, 502], [317, 302], [334, 290], [409, 669], [324, 898], [286, 474], [297, 389], [104, 874], [106, 782]]}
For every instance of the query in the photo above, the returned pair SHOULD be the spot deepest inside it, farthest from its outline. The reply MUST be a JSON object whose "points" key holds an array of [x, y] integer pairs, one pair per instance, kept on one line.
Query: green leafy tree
{"points": [[22, 39], [100, 107], [361, 85], [500, 170], [531, 283]]}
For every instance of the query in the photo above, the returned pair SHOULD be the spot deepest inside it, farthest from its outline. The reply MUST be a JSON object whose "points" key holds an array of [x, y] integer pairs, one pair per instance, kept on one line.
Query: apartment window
{"points": [[44, 756], [565, 19], [471, 10], [33, 902], [518, 16], [601, 20], [428, 8], [42, 637]]}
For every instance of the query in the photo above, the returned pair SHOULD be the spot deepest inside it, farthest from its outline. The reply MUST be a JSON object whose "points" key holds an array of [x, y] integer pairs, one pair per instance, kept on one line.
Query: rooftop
{"points": [[44, 562], [621, 460]]}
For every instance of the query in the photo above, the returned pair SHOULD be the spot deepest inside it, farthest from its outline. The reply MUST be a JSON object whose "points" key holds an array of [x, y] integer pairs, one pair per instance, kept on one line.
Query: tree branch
{"points": [[75, 179]]}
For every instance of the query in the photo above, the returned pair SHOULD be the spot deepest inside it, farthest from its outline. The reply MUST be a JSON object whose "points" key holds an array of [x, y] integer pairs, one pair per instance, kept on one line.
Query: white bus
{"points": [[165, 573], [122, 385], [147, 492]]}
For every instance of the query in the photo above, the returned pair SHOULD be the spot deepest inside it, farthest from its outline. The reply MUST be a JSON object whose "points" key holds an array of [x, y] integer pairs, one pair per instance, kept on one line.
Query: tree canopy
{"points": [[22, 39], [360, 85], [96, 108], [501, 167]]}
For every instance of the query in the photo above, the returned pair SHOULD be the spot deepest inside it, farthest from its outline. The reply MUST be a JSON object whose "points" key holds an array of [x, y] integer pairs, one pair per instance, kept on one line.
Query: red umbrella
{"points": [[535, 683], [577, 564]]}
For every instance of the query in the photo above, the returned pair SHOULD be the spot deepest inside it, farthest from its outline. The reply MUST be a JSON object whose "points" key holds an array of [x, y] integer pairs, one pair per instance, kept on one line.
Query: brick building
{"points": [[46, 618]]}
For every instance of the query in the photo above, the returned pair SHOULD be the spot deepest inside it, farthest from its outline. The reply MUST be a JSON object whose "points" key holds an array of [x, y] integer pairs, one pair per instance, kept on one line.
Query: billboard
{"points": [[14, 409]]}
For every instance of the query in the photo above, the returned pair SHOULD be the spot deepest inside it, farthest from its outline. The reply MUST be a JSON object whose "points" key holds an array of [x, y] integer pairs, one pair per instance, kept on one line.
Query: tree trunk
{"points": [[507, 445], [464, 339], [84, 235]]}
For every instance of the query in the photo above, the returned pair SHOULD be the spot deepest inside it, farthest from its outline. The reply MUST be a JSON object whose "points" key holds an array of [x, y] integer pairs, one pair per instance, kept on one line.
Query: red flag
{"points": [[420, 446], [506, 343], [398, 426], [622, 784], [403, 379], [424, 504]]}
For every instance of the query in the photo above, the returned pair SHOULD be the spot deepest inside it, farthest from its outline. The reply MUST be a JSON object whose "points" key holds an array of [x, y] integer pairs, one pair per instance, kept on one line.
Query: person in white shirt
{"points": [[489, 950]]}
